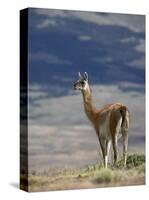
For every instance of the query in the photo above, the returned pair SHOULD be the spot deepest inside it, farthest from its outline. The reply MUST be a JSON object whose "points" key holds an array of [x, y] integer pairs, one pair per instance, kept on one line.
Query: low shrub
{"points": [[104, 176]]}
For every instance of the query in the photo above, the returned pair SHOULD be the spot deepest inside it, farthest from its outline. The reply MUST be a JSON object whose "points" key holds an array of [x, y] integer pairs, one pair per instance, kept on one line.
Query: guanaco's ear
{"points": [[86, 76], [79, 74]]}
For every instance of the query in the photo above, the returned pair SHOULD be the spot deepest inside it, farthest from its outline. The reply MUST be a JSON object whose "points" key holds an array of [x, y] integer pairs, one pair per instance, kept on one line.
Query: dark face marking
{"points": [[80, 84]]}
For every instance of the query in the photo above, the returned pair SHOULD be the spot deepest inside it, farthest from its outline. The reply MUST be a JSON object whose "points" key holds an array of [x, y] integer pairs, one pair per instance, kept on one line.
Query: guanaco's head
{"points": [[82, 82]]}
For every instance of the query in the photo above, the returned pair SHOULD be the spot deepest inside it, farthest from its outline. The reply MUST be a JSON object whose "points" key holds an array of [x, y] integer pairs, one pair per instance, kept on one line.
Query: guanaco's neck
{"points": [[89, 106]]}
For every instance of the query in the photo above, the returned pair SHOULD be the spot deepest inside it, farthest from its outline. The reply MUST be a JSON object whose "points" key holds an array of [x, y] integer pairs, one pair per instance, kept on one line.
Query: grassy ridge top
{"points": [[92, 176]]}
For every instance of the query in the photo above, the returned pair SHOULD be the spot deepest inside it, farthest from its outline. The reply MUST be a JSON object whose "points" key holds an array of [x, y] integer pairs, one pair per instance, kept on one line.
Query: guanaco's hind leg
{"points": [[125, 145], [114, 144]]}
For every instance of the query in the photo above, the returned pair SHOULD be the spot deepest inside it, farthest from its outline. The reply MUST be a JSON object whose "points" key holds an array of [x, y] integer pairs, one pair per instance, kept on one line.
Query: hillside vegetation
{"points": [[93, 176]]}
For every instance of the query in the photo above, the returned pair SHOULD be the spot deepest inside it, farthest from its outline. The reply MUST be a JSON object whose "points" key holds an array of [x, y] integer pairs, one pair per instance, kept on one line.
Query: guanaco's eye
{"points": [[82, 82]]}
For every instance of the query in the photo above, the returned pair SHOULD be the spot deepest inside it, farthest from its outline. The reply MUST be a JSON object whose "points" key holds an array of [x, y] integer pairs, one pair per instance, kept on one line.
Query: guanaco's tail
{"points": [[125, 117]]}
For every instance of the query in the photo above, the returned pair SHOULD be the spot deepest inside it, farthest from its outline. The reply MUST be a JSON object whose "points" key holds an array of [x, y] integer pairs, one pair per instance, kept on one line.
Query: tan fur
{"points": [[109, 122]]}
